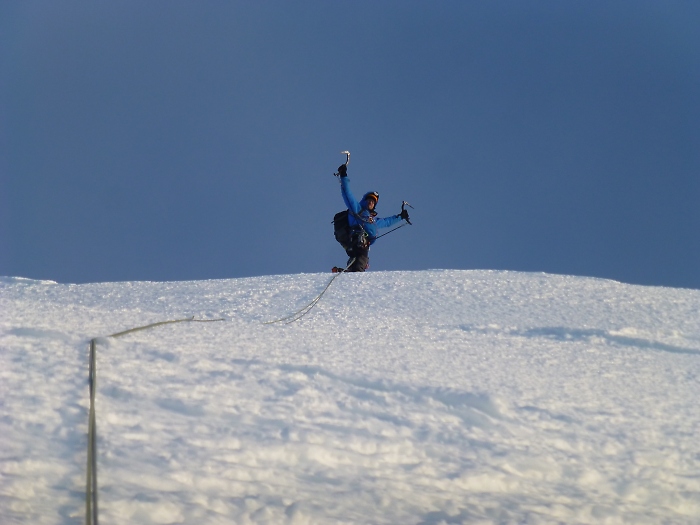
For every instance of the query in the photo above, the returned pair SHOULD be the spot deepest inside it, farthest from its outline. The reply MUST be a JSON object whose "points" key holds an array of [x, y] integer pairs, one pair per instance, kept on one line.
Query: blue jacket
{"points": [[360, 216]]}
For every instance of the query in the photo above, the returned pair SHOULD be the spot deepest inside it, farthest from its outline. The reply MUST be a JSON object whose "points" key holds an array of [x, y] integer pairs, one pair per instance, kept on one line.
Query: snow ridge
{"points": [[403, 397]]}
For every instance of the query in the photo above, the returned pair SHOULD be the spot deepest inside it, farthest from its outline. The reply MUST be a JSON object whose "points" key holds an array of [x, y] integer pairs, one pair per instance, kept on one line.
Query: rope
{"points": [[387, 233], [188, 319], [91, 488], [306, 309]]}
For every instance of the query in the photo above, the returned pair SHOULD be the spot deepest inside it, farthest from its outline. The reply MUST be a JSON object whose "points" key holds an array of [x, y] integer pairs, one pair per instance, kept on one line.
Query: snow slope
{"points": [[403, 397]]}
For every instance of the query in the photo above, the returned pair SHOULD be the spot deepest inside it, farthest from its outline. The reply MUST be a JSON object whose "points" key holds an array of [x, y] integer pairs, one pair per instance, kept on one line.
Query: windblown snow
{"points": [[435, 397]]}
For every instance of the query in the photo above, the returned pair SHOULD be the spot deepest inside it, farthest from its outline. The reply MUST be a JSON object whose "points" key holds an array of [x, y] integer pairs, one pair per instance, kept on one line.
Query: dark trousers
{"points": [[361, 256]]}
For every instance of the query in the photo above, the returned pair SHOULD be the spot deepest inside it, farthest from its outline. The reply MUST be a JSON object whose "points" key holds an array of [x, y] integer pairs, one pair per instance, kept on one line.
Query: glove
{"points": [[343, 170], [404, 215]]}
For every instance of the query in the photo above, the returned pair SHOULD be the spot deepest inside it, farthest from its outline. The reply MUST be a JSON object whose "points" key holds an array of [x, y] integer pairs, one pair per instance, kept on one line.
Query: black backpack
{"points": [[341, 228]]}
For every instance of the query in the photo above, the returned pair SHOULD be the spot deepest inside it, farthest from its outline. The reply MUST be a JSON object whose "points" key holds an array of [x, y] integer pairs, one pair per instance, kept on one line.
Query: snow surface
{"points": [[403, 397]]}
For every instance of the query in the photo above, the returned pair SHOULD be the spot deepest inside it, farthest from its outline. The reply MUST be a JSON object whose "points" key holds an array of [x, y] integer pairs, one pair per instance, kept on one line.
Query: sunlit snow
{"points": [[434, 397]]}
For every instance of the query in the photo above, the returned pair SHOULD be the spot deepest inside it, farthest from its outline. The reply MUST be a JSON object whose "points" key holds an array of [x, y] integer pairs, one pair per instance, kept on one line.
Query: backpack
{"points": [[341, 228]]}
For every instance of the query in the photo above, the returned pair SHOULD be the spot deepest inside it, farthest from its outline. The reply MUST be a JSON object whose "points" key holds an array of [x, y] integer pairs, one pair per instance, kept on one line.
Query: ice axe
{"points": [[403, 207], [347, 160]]}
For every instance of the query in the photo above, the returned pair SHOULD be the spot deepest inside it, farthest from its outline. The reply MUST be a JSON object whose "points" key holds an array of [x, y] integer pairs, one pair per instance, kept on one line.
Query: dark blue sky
{"points": [[193, 140]]}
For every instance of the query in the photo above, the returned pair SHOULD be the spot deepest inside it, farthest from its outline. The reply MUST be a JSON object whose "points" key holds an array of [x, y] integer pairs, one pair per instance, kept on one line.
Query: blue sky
{"points": [[196, 140]]}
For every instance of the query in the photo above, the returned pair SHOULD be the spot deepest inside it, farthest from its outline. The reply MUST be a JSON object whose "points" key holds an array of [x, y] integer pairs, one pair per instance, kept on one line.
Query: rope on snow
{"points": [[91, 516]]}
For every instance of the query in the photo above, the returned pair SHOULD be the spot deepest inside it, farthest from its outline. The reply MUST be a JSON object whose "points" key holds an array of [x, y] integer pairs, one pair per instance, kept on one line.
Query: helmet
{"points": [[371, 195]]}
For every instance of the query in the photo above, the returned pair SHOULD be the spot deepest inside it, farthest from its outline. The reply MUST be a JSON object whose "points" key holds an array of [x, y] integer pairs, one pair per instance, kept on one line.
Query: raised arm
{"points": [[348, 197]]}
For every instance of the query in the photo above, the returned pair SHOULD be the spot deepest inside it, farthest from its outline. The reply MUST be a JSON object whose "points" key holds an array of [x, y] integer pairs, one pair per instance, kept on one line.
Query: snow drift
{"points": [[403, 397]]}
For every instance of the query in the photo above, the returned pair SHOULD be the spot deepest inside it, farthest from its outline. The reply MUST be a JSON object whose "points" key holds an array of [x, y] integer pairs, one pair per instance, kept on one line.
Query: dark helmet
{"points": [[371, 195]]}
